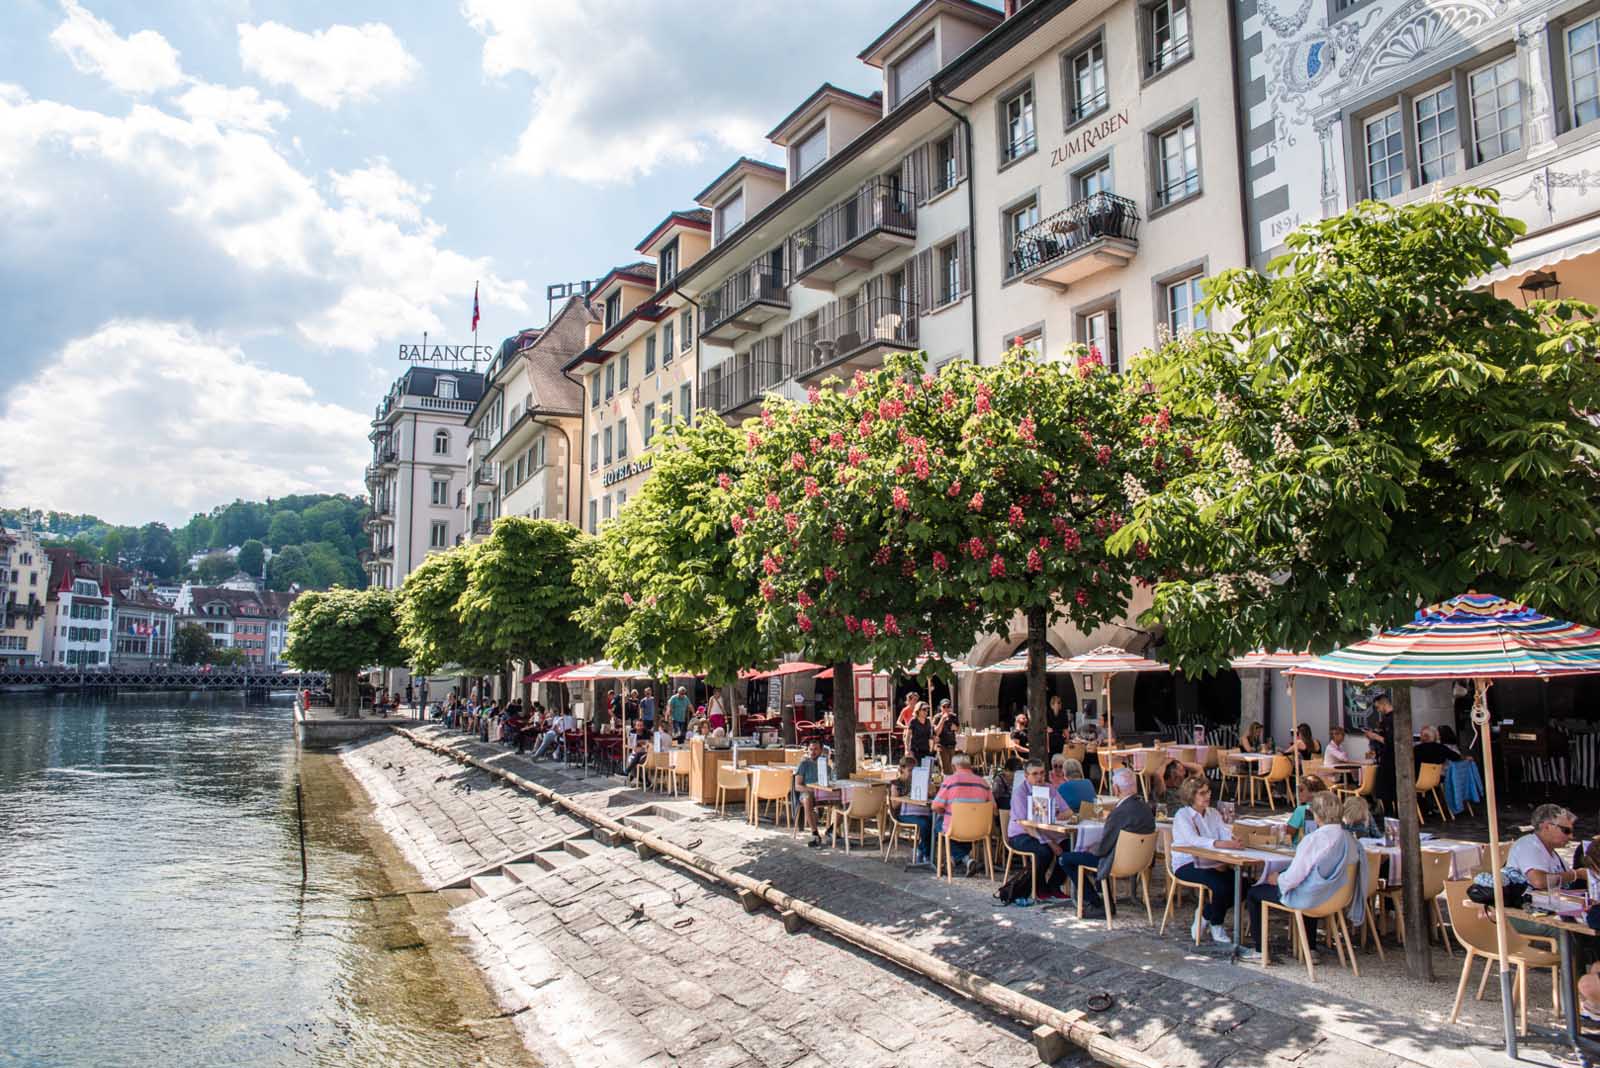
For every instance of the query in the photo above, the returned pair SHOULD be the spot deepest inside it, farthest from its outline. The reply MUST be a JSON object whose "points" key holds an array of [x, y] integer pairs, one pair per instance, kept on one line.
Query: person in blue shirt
{"points": [[1074, 789], [678, 708], [1310, 786], [647, 711]]}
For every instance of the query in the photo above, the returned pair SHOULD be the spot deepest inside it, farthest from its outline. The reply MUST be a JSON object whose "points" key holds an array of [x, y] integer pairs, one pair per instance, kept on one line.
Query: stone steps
{"points": [[580, 847], [493, 886], [524, 872]]}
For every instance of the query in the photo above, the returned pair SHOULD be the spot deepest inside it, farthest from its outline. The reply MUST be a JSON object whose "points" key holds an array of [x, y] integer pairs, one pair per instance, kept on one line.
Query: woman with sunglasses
{"points": [[1539, 856]]}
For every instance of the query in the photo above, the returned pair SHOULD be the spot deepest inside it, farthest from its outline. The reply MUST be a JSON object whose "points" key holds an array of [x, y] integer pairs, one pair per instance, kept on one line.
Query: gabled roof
{"points": [[692, 218], [141, 598], [640, 273], [967, 10], [561, 340], [236, 600], [871, 104], [650, 311], [745, 164]]}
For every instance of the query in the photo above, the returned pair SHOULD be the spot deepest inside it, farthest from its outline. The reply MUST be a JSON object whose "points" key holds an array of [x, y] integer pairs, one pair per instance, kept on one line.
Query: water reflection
{"points": [[151, 911]]}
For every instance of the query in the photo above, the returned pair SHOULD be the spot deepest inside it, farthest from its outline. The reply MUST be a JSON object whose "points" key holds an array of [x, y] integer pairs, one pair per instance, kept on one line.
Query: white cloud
{"points": [[143, 419], [142, 63], [243, 107], [327, 67], [381, 192], [610, 107]]}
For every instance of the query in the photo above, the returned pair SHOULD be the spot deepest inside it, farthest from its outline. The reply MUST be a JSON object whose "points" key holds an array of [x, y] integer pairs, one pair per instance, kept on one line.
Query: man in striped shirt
{"points": [[962, 785]]}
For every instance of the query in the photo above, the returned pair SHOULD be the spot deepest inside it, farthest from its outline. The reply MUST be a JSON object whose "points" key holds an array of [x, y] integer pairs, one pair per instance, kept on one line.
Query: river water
{"points": [[151, 909]]}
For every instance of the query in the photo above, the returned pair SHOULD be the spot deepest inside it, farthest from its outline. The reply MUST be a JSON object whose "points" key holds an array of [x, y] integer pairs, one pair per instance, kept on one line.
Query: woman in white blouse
{"points": [[1198, 824]]}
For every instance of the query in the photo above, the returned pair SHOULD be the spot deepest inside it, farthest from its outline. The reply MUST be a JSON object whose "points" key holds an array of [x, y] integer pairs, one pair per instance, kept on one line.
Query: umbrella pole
{"points": [[1294, 726], [1480, 718], [1105, 697]]}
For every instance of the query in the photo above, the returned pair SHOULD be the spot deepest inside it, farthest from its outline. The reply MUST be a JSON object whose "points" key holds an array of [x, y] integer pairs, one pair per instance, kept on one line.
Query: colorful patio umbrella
{"points": [[1483, 637], [1279, 660], [1106, 661], [1018, 662]]}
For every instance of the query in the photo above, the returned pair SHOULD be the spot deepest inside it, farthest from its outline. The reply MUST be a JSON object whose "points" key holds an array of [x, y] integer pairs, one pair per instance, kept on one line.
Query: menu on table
{"points": [[822, 772], [1039, 804], [920, 780]]}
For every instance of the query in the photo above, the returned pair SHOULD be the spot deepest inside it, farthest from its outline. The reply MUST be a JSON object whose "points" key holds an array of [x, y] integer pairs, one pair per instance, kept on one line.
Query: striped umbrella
{"points": [[1018, 662], [1106, 661], [1483, 637], [1278, 660]]}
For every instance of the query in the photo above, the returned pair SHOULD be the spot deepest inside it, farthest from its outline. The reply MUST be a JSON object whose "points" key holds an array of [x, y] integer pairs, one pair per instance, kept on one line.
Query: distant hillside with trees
{"points": [[313, 540]]}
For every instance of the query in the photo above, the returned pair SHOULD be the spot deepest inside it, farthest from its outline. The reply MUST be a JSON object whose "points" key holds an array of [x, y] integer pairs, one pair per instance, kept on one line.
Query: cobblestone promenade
{"points": [[607, 959]]}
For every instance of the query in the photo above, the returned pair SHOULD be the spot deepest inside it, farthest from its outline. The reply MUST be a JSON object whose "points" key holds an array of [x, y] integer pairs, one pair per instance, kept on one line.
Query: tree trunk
{"points": [[844, 718], [1419, 956], [1038, 681], [346, 693], [785, 711]]}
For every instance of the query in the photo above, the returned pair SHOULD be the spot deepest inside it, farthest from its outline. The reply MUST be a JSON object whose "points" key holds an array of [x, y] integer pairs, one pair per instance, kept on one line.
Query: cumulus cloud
{"points": [[609, 108], [242, 107], [145, 419], [141, 63], [327, 67]]}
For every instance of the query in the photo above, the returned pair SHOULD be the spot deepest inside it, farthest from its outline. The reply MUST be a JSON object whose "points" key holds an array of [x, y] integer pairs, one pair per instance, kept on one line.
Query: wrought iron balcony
{"points": [[387, 455], [743, 380], [744, 301], [385, 552], [854, 234], [481, 526], [855, 338], [1098, 233], [484, 475]]}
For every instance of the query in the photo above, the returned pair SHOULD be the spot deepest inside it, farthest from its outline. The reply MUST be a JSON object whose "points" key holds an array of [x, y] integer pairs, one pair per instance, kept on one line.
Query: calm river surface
{"points": [[151, 911]]}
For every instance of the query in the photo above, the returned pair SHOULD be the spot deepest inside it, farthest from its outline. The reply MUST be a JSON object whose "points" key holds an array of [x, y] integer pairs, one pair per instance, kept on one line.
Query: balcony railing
{"points": [[385, 552], [852, 234], [387, 455], [383, 509], [744, 301], [484, 475], [742, 380], [1098, 232], [859, 334], [482, 526]]}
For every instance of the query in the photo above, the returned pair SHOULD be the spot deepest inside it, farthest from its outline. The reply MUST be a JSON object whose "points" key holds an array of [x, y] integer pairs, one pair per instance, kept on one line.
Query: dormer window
{"points": [[667, 264], [730, 215], [811, 151], [445, 388], [613, 310], [914, 71], [85, 588]]}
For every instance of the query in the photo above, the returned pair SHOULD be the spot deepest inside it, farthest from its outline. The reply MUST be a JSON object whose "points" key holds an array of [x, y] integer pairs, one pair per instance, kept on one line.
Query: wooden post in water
{"points": [[300, 813]]}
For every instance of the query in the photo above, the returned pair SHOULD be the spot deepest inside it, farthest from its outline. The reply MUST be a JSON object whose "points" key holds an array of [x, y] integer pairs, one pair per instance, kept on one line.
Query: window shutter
{"points": [[786, 349], [961, 152], [922, 292], [964, 255]]}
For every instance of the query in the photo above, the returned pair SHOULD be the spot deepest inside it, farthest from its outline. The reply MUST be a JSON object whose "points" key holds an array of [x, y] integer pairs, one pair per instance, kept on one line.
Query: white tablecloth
{"points": [[1464, 856]]}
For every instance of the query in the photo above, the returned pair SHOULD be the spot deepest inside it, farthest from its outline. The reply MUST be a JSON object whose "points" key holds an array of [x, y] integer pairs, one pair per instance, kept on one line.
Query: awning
{"points": [[1546, 250], [796, 667], [551, 674], [602, 669], [960, 667]]}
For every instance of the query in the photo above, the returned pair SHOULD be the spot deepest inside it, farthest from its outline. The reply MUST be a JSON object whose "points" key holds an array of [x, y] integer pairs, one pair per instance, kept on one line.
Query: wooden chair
{"points": [[1235, 771], [899, 831], [1429, 779], [996, 748], [1435, 873], [1281, 771], [1175, 888], [1088, 810], [1483, 856], [1475, 931], [774, 785], [863, 803], [968, 821], [1372, 934], [728, 778], [657, 768], [1078, 751], [1134, 856], [1365, 788], [1332, 911], [682, 759]]}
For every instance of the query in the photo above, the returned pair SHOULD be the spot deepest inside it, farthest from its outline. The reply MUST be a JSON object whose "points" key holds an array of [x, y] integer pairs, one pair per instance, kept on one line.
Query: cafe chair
{"points": [[1236, 772], [728, 778], [968, 821], [1371, 932], [1088, 810], [899, 831], [1429, 779], [1134, 856], [1281, 771], [656, 769], [862, 804], [996, 748], [1078, 751], [1175, 889], [774, 785], [1365, 788], [1475, 931], [1435, 873], [1331, 911], [681, 761], [1026, 860]]}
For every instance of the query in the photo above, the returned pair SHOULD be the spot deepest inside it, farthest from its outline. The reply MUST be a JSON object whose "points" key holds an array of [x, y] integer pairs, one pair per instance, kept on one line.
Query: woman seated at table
{"points": [[1335, 752], [1173, 775], [916, 813], [1315, 875], [1019, 735], [1429, 750], [1357, 816], [1198, 824], [1251, 741], [1305, 743], [1075, 787], [1310, 786]]}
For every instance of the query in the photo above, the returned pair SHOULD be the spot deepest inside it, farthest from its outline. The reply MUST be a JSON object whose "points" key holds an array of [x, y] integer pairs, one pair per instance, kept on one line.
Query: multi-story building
{"points": [[420, 460], [24, 582], [244, 619], [142, 625], [526, 430], [1393, 99], [78, 613], [638, 368]]}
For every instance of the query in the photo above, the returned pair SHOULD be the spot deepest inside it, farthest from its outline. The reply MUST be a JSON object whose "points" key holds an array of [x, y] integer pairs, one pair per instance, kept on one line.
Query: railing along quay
{"points": [[159, 678]]}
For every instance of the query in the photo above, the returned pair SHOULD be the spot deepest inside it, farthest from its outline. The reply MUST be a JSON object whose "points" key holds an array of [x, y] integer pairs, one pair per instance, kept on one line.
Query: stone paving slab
{"points": [[1181, 1006]]}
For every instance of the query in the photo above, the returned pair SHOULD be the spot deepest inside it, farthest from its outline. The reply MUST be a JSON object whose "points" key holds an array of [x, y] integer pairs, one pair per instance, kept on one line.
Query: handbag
{"points": [[1514, 892]]}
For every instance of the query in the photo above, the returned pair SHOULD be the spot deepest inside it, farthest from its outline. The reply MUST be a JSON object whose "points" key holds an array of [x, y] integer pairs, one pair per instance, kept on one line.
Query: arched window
{"points": [[441, 443]]}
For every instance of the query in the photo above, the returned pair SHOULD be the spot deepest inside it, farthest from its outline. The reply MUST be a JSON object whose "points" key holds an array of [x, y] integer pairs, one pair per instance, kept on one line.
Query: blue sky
{"points": [[219, 217]]}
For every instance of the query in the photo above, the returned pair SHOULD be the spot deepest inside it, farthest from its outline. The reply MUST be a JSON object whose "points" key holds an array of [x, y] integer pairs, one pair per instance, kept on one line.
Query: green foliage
{"points": [[252, 557], [289, 567], [521, 601], [430, 625], [1380, 434], [192, 645], [285, 529], [343, 630], [662, 588], [229, 657], [214, 568]]}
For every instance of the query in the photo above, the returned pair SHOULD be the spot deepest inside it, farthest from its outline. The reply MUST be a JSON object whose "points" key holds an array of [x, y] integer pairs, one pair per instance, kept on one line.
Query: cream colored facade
{"points": [[24, 587]]}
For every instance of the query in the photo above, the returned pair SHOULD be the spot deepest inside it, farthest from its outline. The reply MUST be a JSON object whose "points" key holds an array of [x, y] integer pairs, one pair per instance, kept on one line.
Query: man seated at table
{"points": [[1316, 874], [961, 786], [1043, 850], [907, 810], [1334, 751], [1429, 750], [1131, 815], [1075, 787], [805, 775], [1198, 824]]}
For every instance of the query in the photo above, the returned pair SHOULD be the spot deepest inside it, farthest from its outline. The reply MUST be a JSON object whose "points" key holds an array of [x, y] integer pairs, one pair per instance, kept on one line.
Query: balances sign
{"points": [[445, 353]]}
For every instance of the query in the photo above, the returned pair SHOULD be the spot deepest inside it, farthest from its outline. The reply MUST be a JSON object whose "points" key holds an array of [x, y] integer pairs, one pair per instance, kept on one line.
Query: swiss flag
{"points": [[474, 307]]}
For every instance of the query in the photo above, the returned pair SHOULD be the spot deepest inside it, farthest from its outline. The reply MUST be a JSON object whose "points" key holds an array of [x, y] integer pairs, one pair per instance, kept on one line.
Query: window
{"points": [[622, 370], [439, 537], [948, 258], [1098, 330], [505, 480], [441, 491], [1017, 221], [685, 330], [650, 355], [666, 409], [1030, 341], [445, 388], [594, 390], [608, 439], [594, 515], [666, 344], [730, 215], [1385, 156], [1092, 180], [1437, 136], [605, 507], [913, 71], [1086, 81], [649, 423], [944, 164], [1496, 95], [1016, 113], [1177, 164], [686, 402], [1183, 305], [611, 380], [667, 264], [594, 451], [522, 472], [1168, 26], [622, 440], [622, 498], [809, 153], [441, 443], [613, 310], [1583, 70]]}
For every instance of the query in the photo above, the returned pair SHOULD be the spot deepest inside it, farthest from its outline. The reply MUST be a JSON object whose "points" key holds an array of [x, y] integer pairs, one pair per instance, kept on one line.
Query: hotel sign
{"points": [[426, 353], [1088, 137], [626, 471]]}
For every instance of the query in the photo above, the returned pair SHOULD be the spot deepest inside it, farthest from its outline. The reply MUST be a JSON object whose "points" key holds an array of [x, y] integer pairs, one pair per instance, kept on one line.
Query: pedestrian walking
{"points": [[678, 708], [411, 695]]}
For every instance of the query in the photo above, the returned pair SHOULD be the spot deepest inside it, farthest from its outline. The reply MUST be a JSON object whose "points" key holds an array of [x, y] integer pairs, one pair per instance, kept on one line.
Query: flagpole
{"points": [[475, 324]]}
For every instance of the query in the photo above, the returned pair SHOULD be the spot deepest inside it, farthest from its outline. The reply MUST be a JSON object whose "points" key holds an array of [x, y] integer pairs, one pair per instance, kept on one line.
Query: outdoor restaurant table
{"points": [[1239, 860], [1564, 930], [703, 766], [1464, 856]]}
